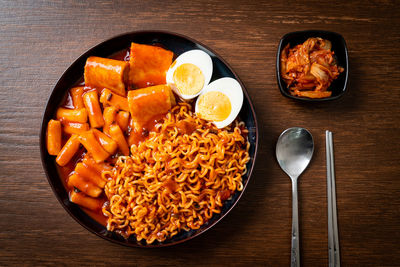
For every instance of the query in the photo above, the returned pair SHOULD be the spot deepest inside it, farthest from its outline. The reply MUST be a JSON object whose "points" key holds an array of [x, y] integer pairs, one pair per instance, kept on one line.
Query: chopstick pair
{"points": [[333, 235]]}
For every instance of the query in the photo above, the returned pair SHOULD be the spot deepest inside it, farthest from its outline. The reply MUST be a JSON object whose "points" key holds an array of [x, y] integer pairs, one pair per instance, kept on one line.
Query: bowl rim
{"points": [[312, 32], [43, 129]]}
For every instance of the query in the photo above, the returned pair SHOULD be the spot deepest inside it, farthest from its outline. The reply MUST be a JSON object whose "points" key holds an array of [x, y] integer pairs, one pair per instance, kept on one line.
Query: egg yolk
{"points": [[189, 79], [214, 106]]}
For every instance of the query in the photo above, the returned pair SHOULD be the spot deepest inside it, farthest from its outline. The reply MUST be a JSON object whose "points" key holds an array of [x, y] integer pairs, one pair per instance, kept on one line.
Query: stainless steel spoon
{"points": [[294, 151]]}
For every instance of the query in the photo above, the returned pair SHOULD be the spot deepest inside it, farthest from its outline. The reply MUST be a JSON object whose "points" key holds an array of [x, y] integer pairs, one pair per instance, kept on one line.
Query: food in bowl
{"points": [[220, 102], [308, 69], [190, 73], [136, 157]]}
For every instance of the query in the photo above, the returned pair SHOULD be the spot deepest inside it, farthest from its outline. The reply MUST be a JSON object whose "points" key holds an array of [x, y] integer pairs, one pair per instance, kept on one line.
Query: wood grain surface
{"points": [[40, 39]]}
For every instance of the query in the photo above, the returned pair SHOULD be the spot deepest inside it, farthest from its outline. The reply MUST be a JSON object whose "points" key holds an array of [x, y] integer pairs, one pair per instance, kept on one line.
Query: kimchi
{"points": [[308, 69]]}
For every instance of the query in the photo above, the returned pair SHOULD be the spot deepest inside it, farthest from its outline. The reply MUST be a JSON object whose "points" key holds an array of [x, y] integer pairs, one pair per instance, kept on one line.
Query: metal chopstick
{"points": [[331, 255], [333, 235], [334, 209]]}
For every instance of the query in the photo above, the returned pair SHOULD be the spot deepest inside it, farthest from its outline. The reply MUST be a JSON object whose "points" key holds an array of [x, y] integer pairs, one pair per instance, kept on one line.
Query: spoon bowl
{"points": [[294, 151]]}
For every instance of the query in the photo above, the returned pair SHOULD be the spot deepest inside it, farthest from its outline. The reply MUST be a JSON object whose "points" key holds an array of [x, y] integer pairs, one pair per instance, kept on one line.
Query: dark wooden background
{"points": [[40, 39]]}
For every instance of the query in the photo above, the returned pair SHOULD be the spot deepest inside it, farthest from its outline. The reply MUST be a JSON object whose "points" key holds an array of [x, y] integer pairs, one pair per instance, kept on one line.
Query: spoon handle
{"points": [[295, 252]]}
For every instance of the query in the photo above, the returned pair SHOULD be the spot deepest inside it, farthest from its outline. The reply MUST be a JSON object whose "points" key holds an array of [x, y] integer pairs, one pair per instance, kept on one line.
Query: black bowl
{"points": [[338, 86], [178, 44]]}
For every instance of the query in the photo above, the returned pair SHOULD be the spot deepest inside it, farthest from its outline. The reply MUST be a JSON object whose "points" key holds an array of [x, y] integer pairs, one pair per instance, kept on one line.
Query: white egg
{"points": [[212, 102], [190, 73]]}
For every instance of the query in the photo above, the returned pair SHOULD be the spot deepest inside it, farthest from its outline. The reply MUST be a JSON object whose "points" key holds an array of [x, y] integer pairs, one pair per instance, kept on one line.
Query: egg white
{"points": [[233, 90], [198, 58]]}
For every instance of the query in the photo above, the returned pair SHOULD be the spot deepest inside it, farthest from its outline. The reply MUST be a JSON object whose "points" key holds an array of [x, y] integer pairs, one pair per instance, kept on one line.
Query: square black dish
{"points": [[338, 86]]}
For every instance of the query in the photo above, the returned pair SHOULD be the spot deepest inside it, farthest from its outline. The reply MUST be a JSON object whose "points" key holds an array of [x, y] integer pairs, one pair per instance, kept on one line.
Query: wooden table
{"points": [[39, 40]]}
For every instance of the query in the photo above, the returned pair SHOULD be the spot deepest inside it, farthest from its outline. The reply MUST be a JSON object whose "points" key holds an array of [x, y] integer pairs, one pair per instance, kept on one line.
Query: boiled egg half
{"points": [[190, 73], [220, 102]]}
